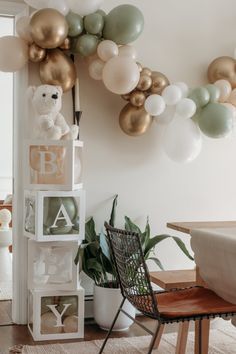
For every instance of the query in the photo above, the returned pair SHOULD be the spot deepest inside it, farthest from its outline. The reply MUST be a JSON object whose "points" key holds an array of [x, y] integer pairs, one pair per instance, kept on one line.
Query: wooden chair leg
{"points": [[182, 338], [202, 331], [158, 338]]}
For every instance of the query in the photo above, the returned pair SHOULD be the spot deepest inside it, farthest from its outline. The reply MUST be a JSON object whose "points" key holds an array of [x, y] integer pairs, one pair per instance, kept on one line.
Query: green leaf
{"points": [[90, 232], [152, 242], [113, 211], [104, 245], [157, 261], [182, 246], [131, 227], [93, 264]]}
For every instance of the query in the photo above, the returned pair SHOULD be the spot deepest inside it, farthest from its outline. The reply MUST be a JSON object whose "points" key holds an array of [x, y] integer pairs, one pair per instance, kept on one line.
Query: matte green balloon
{"points": [[75, 23], [215, 120], [200, 96], [123, 24], [214, 92], [86, 45], [94, 23], [101, 12]]}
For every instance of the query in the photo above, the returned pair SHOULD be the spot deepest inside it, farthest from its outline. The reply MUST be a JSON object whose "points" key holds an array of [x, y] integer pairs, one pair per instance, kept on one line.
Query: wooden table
{"points": [[186, 228]]}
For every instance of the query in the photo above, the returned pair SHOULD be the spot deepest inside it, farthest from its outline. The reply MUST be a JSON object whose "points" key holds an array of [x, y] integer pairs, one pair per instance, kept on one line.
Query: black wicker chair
{"points": [[195, 303]]}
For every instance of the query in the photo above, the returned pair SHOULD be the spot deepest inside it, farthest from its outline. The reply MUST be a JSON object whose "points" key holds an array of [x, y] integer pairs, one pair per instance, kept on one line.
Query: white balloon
{"points": [[37, 4], [128, 51], [186, 108], [59, 5], [84, 7], [155, 105], [182, 140], [96, 68], [107, 49], [183, 87], [225, 89], [167, 116], [23, 29], [172, 95]]}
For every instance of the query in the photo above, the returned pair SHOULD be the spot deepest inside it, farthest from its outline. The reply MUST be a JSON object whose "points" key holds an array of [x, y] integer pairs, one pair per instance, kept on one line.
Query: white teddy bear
{"points": [[51, 125]]}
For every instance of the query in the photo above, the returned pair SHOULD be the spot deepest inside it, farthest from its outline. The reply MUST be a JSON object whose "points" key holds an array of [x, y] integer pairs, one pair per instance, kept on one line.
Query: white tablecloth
{"points": [[215, 255]]}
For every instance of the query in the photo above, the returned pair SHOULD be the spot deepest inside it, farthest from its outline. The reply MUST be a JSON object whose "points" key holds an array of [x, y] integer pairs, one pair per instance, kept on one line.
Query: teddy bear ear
{"points": [[59, 89], [30, 92]]}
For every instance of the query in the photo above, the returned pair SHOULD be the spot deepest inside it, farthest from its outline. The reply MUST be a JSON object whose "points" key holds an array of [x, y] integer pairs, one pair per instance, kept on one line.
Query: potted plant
{"points": [[96, 262]]}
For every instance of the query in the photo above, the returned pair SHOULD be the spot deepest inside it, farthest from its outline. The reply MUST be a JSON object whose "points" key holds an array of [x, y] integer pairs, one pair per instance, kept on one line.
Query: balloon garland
{"points": [[61, 28]]}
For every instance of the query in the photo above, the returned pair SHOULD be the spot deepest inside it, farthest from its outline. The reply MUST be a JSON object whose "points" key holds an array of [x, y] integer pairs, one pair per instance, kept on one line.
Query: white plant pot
{"points": [[106, 304]]}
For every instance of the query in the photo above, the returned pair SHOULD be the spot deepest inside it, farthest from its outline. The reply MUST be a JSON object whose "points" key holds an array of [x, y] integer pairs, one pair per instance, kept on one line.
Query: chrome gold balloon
{"points": [[146, 71], [48, 28], [126, 96], [66, 45], [223, 68], [145, 82], [134, 121], [36, 54], [159, 82], [137, 98], [58, 69]]}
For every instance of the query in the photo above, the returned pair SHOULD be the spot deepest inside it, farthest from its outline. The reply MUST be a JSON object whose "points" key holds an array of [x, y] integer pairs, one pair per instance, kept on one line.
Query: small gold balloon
{"points": [[36, 54], [146, 71], [134, 121], [48, 28], [126, 96], [139, 67], [223, 68], [137, 98], [159, 82], [66, 45], [58, 69], [145, 82]]}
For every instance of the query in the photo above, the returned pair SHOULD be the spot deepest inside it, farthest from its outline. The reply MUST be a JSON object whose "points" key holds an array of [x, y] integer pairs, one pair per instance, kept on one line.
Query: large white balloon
{"points": [[13, 53], [84, 7], [96, 68], [59, 5], [121, 75], [182, 140], [172, 95], [155, 105], [167, 116], [37, 4], [186, 108], [128, 51], [23, 29], [183, 87]]}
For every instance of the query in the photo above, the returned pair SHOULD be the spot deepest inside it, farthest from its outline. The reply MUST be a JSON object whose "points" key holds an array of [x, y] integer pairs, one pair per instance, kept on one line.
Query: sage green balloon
{"points": [[215, 120], [214, 92], [101, 12], [200, 96], [50, 210], [123, 24], [75, 23], [94, 23], [86, 45]]}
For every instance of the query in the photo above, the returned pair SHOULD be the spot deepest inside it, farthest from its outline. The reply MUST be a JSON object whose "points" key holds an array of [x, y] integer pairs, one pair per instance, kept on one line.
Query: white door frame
{"points": [[19, 310]]}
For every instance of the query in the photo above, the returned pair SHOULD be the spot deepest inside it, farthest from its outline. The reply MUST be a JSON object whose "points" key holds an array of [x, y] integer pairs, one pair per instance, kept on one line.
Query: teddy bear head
{"points": [[46, 99]]}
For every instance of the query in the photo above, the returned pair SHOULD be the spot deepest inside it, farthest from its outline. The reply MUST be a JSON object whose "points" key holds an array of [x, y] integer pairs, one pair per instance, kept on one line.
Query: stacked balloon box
{"points": [[54, 222]]}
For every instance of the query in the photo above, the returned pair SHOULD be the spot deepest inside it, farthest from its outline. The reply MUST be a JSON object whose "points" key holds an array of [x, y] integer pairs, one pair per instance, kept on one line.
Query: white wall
{"points": [[6, 119], [180, 39]]}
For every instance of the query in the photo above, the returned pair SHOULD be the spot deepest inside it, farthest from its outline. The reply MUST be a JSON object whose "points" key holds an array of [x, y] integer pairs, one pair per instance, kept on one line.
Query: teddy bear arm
{"points": [[60, 121]]}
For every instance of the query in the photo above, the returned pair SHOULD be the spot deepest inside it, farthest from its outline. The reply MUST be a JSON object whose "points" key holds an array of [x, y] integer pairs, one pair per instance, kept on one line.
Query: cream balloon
{"points": [[186, 108], [23, 29], [225, 89], [13, 53], [121, 75], [232, 98], [71, 324], [182, 140], [107, 49], [96, 68], [128, 51], [49, 324], [84, 7], [155, 105], [172, 95], [231, 107]]}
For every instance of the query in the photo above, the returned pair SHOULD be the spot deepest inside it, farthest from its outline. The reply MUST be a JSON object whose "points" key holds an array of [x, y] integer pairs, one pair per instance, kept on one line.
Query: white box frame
{"points": [[70, 146], [39, 196], [36, 314], [32, 249]]}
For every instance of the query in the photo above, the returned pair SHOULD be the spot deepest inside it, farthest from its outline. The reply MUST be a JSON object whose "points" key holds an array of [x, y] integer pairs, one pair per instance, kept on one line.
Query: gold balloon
{"points": [[223, 68], [48, 28], [137, 98], [66, 45], [159, 82], [126, 96], [134, 121], [145, 82], [36, 54], [146, 71], [58, 69]]}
